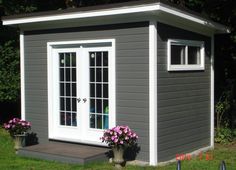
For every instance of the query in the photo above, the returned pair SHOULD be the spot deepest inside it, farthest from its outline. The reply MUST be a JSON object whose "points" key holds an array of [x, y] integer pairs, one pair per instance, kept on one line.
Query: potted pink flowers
{"points": [[17, 129], [118, 138]]}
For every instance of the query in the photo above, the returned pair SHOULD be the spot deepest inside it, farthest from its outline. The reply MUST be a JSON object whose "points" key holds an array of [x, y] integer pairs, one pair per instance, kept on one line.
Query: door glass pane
{"points": [[68, 119], [62, 89], [98, 58], [98, 75], [62, 70], [74, 119], [99, 106], [105, 122], [105, 59], [92, 59], [99, 97], [105, 90], [73, 58], [92, 74], [99, 121], [92, 121], [61, 59], [62, 103], [73, 90], [99, 90], [67, 59], [92, 89], [62, 118], [92, 106], [105, 75], [68, 91], [68, 74], [74, 106], [73, 74], [105, 107]]}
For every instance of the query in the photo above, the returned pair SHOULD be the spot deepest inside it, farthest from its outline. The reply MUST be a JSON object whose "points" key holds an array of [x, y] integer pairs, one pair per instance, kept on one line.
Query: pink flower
{"points": [[113, 138]]}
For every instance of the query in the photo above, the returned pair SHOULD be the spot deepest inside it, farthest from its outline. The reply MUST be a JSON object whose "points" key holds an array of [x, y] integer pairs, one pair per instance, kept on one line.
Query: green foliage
{"points": [[16, 7], [223, 135], [222, 106], [9, 72], [234, 133]]}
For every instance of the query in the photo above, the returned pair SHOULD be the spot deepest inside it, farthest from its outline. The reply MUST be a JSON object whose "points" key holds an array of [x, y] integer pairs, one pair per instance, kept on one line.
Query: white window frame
{"points": [[186, 67]]}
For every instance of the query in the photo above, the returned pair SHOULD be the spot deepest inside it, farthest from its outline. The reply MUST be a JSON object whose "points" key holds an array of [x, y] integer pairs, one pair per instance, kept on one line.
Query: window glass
{"points": [[185, 55], [194, 55], [177, 54]]}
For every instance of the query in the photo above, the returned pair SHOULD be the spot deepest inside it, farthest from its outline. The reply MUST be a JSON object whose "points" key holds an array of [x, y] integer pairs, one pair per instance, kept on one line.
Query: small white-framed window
{"points": [[185, 55]]}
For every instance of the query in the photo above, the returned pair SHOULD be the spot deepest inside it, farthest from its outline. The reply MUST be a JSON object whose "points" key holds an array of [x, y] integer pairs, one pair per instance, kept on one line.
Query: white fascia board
{"points": [[193, 18], [78, 15], [154, 7]]}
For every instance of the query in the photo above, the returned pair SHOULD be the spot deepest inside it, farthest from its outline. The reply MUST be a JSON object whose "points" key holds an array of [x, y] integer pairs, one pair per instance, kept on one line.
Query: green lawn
{"points": [[9, 160]]}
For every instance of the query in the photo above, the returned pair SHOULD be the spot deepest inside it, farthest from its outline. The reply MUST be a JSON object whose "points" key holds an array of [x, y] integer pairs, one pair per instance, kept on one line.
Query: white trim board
{"points": [[153, 9], [53, 47], [22, 74], [212, 90], [153, 154]]}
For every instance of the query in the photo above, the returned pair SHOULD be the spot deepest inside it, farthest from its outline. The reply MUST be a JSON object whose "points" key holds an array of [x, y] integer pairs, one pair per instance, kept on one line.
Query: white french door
{"points": [[82, 94]]}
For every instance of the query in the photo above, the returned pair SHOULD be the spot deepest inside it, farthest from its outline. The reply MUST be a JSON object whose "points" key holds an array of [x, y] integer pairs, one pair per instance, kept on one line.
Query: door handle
{"points": [[78, 100], [84, 100]]}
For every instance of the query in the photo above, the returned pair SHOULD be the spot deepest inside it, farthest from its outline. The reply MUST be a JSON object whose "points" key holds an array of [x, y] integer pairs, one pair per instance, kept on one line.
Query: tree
{"points": [[9, 72]]}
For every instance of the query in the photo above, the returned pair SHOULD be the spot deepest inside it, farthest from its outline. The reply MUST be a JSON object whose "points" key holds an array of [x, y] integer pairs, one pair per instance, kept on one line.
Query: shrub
{"points": [[223, 135]]}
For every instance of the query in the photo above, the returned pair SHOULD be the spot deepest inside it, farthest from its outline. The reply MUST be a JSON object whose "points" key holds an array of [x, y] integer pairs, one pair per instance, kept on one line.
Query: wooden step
{"points": [[66, 152]]}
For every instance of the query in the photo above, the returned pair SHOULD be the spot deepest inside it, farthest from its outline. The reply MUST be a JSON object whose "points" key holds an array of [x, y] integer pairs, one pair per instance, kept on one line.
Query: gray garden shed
{"points": [[146, 64]]}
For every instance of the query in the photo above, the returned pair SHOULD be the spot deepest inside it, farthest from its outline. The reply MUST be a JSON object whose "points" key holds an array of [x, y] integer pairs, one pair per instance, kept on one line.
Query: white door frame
{"points": [[53, 85]]}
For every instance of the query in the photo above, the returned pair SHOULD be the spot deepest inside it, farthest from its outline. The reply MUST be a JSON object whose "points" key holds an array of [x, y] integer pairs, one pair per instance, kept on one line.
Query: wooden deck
{"points": [[65, 152]]}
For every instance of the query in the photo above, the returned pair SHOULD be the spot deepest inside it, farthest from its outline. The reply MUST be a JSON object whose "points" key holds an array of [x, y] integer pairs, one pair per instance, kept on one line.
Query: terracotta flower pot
{"points": [[19, 141], [118, 153]]}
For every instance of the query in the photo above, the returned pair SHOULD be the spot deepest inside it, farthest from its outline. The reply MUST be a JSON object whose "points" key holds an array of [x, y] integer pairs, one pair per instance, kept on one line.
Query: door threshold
{"points": [[76, 141]]}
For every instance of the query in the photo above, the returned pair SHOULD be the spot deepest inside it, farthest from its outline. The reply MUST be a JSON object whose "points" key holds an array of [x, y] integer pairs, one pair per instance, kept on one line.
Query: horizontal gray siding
{"points": [[183, 100], [131, 72]]}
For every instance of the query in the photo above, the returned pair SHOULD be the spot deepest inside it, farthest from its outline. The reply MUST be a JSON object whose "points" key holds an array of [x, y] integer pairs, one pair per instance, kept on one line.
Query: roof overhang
{"points": [[142, 12]]}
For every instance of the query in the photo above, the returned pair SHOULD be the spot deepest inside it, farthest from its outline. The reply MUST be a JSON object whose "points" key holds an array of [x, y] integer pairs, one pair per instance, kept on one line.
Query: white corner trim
{"points": [[212, 89], [153, 93], [22, 74]]}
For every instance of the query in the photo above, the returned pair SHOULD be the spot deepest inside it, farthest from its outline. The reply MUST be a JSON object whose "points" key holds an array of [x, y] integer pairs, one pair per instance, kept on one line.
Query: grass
{"points": [[9, 160]]}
